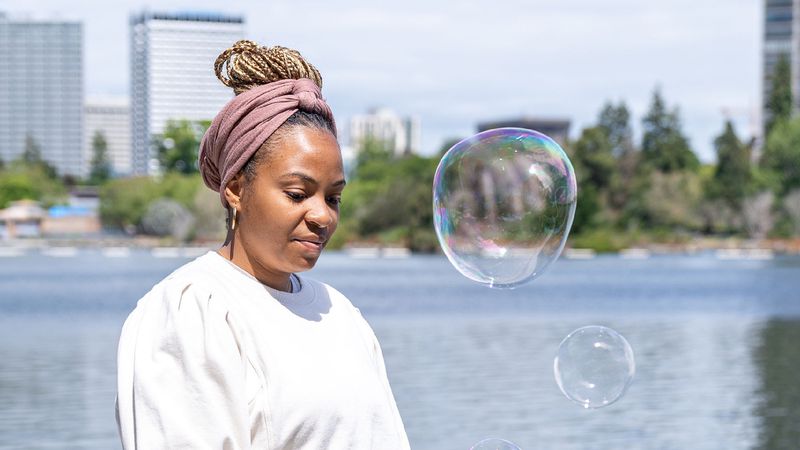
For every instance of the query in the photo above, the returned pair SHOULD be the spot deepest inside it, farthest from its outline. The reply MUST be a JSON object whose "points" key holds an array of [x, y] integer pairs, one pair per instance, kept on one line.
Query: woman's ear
{"points": [[234, 190]]}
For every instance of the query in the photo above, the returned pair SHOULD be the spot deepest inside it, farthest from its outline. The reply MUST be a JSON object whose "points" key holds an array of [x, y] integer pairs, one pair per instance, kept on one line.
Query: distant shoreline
{"points": [[722, 245]]}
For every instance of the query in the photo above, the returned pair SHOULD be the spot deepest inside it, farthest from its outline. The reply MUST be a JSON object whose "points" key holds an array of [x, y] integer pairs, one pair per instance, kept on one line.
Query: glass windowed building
{"points": [[110, 117], [781, 34], [172, 75], [41, 91]]}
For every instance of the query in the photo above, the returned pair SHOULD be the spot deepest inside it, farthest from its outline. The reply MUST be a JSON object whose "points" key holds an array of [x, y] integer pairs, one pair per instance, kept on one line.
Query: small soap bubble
{"points": [[594, 366], [495, 444], [503, 204]]}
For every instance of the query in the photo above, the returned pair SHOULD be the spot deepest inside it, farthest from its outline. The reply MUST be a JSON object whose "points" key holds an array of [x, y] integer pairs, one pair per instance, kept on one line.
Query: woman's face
{"points": [[290, 210]]}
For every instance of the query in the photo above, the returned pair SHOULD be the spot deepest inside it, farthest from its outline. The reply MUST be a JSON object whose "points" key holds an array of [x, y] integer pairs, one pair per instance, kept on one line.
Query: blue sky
{"points": [[455, 63]]}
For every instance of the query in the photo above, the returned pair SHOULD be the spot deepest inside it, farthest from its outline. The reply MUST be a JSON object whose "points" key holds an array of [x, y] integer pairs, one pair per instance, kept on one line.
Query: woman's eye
{"points": [[336, 201], [296, 196]]}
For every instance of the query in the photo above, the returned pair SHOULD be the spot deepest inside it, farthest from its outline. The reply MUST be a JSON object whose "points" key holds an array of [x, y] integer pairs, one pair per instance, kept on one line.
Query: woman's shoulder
{"points": [[201, 268], [192, 285]]}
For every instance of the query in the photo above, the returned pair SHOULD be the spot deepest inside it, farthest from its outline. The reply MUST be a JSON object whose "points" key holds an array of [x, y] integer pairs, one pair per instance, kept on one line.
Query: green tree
{"points": [[124, 202], [598, 175], [594, 166], [779, 102], [31, 183], [404, 203], [732, 177], [622, 184], [389, 200], [673, 201], [615, 121], [32, 157], [100, 166], [664, 147], [16, 186], [372, 150], [177, 147], [593, 152], [781, 154], [32, 153], [587, 209]]}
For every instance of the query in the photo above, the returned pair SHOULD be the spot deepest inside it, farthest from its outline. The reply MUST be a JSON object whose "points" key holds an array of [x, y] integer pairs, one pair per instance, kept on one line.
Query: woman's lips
{"points": [[311, 245]]}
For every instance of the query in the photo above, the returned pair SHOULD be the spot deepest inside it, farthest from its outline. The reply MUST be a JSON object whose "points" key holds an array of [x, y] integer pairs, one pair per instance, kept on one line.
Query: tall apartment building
{"points": [[172, 74], [41, 91], [401, 134], [781, 38], [111, 117]]}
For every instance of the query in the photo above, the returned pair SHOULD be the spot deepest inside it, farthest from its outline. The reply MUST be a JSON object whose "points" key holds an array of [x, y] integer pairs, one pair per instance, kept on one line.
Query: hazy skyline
{"points": [[458, 63]]}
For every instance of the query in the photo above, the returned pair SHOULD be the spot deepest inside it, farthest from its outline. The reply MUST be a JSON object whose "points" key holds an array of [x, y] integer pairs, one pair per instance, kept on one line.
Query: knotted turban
{"points": [[245, 123]]}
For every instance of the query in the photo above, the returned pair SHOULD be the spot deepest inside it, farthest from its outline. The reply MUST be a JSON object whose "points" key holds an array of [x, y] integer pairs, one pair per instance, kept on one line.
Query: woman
{"points": [[234, 350]]}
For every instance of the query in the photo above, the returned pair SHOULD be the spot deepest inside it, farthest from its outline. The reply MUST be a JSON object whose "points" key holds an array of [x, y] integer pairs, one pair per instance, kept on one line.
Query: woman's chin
{"points": [[306, 262]]}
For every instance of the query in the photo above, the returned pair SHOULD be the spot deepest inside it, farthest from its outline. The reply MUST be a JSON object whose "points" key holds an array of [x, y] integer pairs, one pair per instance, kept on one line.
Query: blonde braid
{"points": [[247, 65]]}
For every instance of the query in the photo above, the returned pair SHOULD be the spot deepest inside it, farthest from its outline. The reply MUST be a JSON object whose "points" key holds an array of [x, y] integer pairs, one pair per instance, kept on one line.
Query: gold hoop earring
{"points": [[233, 219]]}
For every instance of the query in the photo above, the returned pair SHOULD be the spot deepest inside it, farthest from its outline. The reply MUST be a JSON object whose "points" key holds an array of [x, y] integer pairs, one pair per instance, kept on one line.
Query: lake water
{"points": [[717, 346]]}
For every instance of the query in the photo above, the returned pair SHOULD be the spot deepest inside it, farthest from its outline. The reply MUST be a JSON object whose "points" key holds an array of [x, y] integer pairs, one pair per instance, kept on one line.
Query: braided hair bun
{"points": [[246, 65]]}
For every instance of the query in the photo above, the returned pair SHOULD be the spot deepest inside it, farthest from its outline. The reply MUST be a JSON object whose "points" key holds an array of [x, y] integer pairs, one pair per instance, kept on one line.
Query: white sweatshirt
{"points": [[213, 359]]}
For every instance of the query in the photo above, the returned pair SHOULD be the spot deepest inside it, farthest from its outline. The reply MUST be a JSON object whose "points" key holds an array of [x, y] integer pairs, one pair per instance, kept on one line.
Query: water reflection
{"points": [[777, 357], [57, 383]]}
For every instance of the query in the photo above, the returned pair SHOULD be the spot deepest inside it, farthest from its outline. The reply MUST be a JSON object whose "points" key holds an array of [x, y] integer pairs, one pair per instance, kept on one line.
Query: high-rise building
{"points": [[400, 134], [110, 117], [781, 39], [172, 75], [41, 91]]}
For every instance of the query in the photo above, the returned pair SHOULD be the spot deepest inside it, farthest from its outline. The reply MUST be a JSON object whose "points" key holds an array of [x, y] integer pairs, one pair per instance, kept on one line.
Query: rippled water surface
{"points": [[717, 346]]}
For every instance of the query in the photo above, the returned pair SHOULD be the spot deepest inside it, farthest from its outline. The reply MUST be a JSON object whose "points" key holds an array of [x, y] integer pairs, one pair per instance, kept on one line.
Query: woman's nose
{"points": [[320, 214]]}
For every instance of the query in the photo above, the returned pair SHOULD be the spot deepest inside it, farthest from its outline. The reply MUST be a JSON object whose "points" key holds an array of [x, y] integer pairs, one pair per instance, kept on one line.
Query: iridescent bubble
{"points": [[594, 366], [495, 444], [503, 204]]}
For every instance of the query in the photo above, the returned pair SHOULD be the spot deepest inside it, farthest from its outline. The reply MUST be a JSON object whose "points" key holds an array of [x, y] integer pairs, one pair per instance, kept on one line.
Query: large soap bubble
{"points": [[495, 444], [594, 366], [503, 204]]}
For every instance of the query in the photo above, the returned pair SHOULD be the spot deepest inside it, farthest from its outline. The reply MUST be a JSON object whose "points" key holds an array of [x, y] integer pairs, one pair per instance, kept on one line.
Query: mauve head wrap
{"points": [[245, 123]]}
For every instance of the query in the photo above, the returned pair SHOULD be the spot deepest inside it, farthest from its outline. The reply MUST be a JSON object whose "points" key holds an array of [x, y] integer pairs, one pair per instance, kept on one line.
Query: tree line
{"points": [[658, 191], [630, 193]]}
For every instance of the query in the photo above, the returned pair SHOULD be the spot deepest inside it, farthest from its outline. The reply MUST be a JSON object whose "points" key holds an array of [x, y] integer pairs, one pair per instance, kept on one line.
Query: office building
{"points": [[111, 117], [781, 34], [401, 135], [172, 74], [41, 91]]}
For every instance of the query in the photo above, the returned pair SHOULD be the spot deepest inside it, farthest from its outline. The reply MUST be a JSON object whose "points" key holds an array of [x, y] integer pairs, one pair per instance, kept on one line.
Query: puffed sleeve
{"points": [[181, 373]]}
